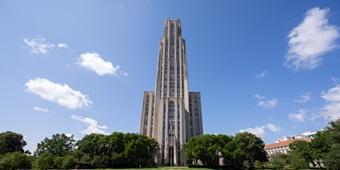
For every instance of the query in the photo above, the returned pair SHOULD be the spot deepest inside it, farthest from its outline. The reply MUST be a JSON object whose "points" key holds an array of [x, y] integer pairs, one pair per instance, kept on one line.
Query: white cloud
{"points": [[260, 131], [331, 110], [259, 97], [304, 98], [267, 104], [303, 115], [94, 62], [310, 40], [62, 45], [299, 116], [41, 46], [308, 133], [272, 127], [332, 95], [261, 75], [92, 126], [57, 93], [68, 134], [40, 109]]}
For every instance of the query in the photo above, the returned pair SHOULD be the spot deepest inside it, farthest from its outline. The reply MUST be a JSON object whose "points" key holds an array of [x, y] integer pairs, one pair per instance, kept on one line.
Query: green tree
{"points": [[117, 150], [279, 161], [58, 145], [140, 150], [206, 148], [11, 142], [320, 145], [57, 161], [248, 148], [44, 161], [15, 160], [332, 158], [301, 150], [68, 162], [92, 145], [298, 161]]}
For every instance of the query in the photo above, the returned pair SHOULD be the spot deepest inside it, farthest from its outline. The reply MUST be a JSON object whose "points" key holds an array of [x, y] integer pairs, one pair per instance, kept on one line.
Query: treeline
{"points": [[243, 151], [93, 151], [118, 150], [323, 151], [246, 151]]}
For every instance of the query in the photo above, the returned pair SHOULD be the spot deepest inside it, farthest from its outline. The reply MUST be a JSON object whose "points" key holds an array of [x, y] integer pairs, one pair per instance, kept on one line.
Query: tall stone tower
{"points": [[171, 114]]}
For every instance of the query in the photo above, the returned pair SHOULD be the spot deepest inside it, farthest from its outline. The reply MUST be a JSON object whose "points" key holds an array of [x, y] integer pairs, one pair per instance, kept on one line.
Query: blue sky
{"points": [[268, 67]]}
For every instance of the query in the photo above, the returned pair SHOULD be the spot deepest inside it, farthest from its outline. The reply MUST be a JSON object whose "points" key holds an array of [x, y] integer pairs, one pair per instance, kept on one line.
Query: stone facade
{"points": [[171, 114]]}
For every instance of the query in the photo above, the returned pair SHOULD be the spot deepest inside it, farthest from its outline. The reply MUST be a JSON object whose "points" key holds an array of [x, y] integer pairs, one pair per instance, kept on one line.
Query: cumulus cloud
{"points": [[40, 109], [331, 110], [266, 103], [92, 126], [310, 40], [304, 98], [261, 130], [261, 75], [272, 127], [299, 116], [62, 94], [332, 95], [94, 62], [258, 131], [303, 115], [41, 46]]}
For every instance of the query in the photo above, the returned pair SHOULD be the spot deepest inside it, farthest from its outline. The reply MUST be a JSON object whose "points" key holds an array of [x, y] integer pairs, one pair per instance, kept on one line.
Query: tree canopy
{"points": [[243, 150], [58, 145], [11, 142], [322, 151], [118, 149]]}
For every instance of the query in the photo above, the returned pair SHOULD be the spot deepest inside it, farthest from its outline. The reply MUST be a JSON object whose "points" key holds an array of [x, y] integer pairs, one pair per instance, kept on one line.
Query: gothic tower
{"points": [[171, 114]]}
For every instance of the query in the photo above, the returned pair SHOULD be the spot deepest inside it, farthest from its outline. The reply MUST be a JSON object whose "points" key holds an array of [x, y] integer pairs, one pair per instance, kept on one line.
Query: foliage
{"points": [[239, 151], [323, 148], [68, 162], [279, 161], [301, 153], [118, 150], [11, 142], [243, 151], [298, 161], [259, 165], [58, 145], [44, 161], [15, 160], [249, 148], [206, 148], [332, 158]]}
